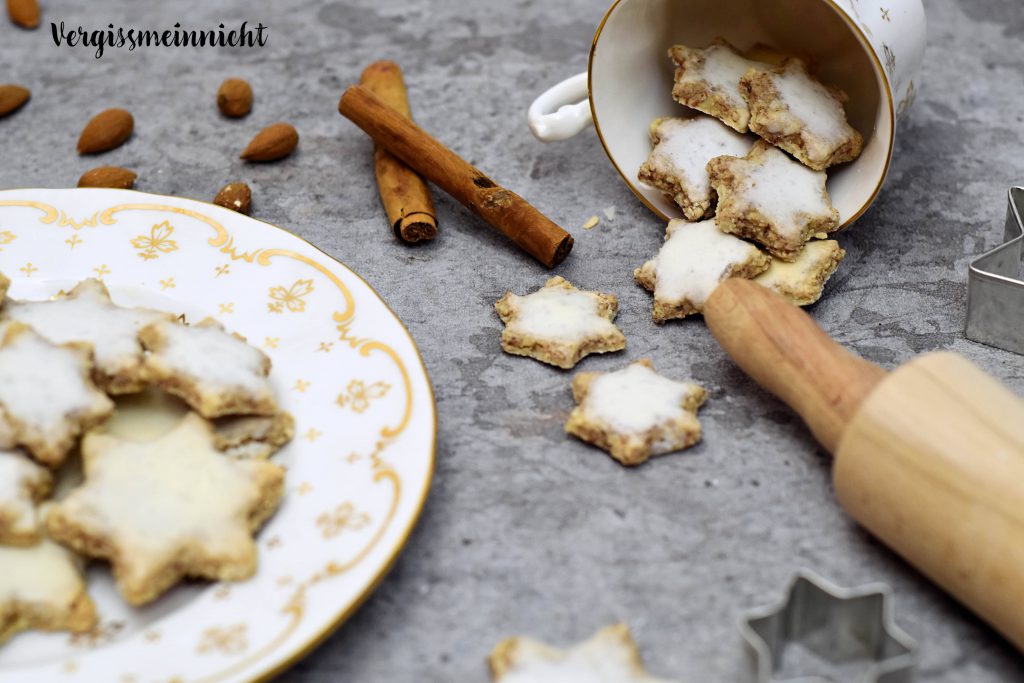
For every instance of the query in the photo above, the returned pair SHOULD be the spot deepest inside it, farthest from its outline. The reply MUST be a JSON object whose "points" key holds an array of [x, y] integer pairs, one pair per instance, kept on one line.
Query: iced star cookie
{"points": [[803, 280], [216, 372], [691, 263], [634, 413], [165, 509], [46, 394], [41, 588], [253, 436], [678, 164], [708, 80], [86, 314], [792, 110], [23, 484], [771, 199], [559, 324], [609, 656]]}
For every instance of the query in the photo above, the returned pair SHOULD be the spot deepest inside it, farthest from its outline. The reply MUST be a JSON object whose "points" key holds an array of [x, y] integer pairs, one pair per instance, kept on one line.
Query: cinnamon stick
{"points": [[509, 213], [405, 196]]}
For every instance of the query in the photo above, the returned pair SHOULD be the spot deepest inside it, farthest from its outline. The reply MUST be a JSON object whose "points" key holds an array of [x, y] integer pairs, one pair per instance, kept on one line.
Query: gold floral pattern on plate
{"points": [[343, 329]]}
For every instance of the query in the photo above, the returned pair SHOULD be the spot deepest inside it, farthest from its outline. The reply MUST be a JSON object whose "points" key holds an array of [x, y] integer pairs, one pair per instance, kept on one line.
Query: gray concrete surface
{"points": [[527, 531]]}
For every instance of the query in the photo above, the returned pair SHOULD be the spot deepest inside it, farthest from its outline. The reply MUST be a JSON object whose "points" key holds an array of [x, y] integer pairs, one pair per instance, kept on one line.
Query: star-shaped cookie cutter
{"points": [[995, 292], [834, 627]]}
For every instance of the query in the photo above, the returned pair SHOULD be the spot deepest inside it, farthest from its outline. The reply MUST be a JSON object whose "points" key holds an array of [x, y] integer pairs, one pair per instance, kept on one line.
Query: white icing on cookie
{"points": [[803, 280], [785, 191], [46, 393], [163, 500], [810, 101], [636, 399], [722, 69], [88, 315], [557, 313], [694, 259], [610, 656], [20, 480]]}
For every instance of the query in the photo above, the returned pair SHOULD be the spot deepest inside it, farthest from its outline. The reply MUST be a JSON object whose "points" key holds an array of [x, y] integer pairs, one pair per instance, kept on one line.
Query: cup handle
{"points": [[562, 111]]}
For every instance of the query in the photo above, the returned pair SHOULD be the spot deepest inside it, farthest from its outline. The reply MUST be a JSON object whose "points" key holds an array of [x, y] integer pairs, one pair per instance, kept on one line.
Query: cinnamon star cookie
{"points": [[86, 314], [214, 371], [708, 80], [768, 197], [559, 324], [164, 509], [634, 413], [691, 263], [803, 280], [46, 395], [792, 110], [609, 656], [41, 588]]}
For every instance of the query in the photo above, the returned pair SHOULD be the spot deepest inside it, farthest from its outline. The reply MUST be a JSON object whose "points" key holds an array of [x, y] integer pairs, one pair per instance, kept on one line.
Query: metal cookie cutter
{"points": [[995, 292], [830, 635]]}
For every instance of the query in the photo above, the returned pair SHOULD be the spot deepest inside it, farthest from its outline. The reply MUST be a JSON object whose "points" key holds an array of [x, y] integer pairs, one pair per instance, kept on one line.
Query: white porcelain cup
{"points": [[872, 49]]}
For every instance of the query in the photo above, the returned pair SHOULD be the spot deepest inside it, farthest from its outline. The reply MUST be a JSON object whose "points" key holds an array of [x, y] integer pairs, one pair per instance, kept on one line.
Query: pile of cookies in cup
{"points": [[749, 175]]}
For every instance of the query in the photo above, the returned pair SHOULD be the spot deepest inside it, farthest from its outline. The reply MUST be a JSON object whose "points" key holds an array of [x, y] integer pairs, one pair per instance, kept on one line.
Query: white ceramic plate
{"points": [[344, 366]]}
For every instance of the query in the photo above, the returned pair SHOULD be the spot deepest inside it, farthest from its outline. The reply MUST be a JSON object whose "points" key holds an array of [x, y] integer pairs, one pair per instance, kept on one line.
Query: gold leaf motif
{"points": [[167, 284], [157, 242], [66, 221], [100, 634], [290, 298], [342, 518], [73, 241], [6, 237], [28, 269], [101, 271], [358, 395], [227, 640]]}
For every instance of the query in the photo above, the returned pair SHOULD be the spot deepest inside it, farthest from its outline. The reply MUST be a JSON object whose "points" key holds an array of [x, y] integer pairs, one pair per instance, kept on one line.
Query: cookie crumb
{"points": [[591, 223]]}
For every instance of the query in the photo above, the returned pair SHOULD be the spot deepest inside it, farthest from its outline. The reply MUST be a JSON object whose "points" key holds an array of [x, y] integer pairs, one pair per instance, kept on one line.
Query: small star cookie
{"points": [[691, 263], [768, 197], [46, 394], [41, 588], [23, 484], [86, 314], [803, 280], [634, 413], [708, 80], [559, 324], [164, 509], [609, 656], [216, 372], [792, 110], [678, 164], [253, 436]]}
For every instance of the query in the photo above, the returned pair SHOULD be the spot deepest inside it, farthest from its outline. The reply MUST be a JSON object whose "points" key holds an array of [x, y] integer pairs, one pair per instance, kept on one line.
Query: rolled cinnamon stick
{"points": [[512, 215], [405, 196]]}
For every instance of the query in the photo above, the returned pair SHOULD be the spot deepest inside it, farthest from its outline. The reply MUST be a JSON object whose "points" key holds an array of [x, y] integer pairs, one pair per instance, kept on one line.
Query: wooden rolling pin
{"points": [[929, 458]]}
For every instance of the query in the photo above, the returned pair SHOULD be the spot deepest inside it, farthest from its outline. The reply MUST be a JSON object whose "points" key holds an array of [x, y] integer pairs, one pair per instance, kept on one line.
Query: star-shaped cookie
{"points": [[559, 324], [47, 397], [5, 284], [164, 509], [792, 110], [803, 280], [609, 656], [708, 80], [768, 197], [634, 413], [214, 371], [691, 263], [41, 588], [23, 484], [678, 164], [86, 314], [253, 436]]}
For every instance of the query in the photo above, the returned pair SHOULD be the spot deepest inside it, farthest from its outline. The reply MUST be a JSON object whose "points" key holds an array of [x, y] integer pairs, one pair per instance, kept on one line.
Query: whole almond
{"points": [[272, 143], [234, 98], [108, 176], [106, 130], [235, 196], [12, 98], [24, 13]]}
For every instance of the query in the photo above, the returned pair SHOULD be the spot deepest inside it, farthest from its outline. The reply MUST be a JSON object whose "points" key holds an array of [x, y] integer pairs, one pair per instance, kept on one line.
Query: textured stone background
{"points": [[527, 531]]}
